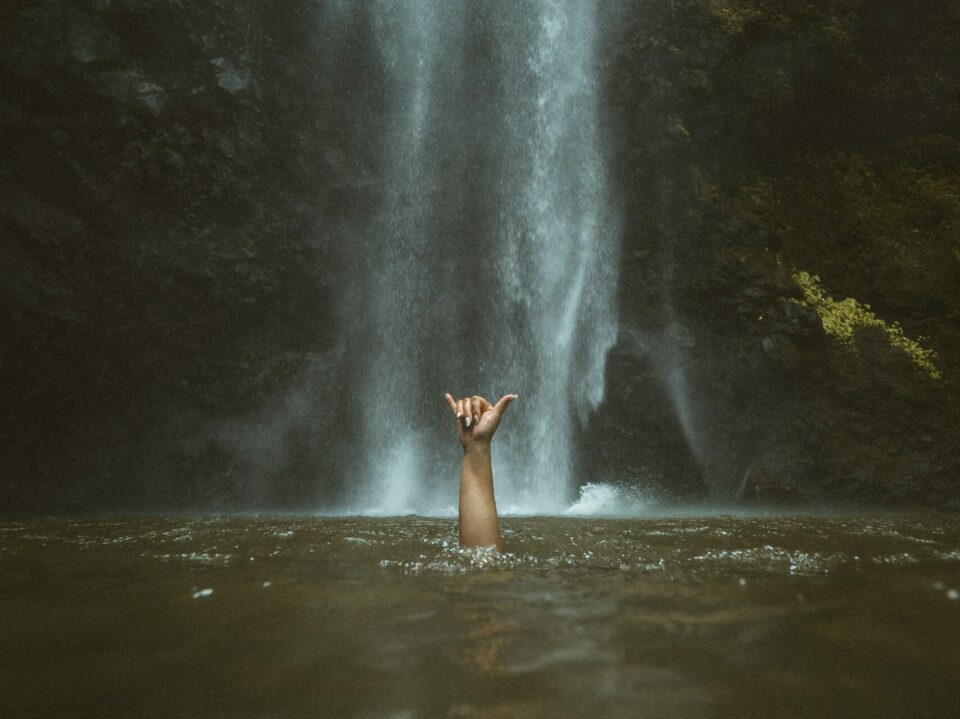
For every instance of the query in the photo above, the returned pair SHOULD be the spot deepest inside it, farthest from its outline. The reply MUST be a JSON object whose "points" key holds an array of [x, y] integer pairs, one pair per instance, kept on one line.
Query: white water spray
{"points": [[491, 266]]}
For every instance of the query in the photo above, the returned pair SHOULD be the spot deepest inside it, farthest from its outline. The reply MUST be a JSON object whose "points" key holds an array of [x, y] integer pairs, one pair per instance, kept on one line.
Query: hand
{"points": [[477, 419]]}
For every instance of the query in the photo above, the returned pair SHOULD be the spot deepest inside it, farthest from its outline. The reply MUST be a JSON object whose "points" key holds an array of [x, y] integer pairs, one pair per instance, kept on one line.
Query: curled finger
{"points": [[468, 411]]}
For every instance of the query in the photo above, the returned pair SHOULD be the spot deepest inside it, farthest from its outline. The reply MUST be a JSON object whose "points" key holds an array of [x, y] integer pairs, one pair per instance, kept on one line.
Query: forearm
{"points": [[479, 526]]}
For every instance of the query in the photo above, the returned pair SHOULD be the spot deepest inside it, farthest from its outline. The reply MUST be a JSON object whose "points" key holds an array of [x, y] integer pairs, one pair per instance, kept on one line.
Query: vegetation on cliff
{"points": [[844, 319]]}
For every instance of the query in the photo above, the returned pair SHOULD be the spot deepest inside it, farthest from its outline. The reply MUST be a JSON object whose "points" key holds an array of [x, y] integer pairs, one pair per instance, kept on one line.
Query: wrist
{"points": [[477, 447]]}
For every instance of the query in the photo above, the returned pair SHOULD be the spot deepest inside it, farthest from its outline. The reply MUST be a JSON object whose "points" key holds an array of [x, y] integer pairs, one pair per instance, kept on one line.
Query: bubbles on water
{"points": [[771, 558], [653, 545], [200, 557], [458, 560], [896, 559]]}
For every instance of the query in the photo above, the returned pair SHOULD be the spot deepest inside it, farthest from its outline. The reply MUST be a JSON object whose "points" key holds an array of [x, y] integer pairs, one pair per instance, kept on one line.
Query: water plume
{"points": [[490, 265]]}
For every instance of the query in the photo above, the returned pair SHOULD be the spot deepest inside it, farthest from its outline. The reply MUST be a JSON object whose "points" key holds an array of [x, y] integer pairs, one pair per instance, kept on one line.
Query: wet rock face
{"points": [[637, 439], [88, 41], [760, 488], [761, 146], [160, 190]]}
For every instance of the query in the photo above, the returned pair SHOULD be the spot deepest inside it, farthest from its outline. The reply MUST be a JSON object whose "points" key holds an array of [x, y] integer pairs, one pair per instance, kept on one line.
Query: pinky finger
{"points": [[451, 403]]}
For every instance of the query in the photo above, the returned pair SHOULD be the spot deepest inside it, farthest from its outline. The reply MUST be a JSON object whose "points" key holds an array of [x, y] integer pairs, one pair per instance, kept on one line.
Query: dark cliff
{"points": [[795, 174], [176, 177]]}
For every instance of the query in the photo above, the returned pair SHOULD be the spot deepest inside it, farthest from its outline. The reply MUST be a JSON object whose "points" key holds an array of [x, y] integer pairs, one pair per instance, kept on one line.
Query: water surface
{"points": [[381, 617]]}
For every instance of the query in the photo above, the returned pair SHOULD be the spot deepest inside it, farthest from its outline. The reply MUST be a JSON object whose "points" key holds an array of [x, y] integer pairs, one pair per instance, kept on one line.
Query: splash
{"points": [[607, 500]]}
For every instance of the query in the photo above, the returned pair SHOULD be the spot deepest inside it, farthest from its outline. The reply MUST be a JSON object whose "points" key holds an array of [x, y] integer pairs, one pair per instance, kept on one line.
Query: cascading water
{"points": [[490, 266]]}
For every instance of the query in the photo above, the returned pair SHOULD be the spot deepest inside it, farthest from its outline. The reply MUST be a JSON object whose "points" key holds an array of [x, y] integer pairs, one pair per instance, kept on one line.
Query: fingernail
{"points": [[467, 421], [476, 419], [459, 415]]}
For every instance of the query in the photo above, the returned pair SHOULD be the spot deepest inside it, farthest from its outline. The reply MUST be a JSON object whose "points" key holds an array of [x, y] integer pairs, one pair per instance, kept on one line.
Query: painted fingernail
{"points": [[467, 421]]}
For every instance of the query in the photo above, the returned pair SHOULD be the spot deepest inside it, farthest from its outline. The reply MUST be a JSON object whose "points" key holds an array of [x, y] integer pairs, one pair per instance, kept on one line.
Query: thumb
{"points": [[501, 405]]}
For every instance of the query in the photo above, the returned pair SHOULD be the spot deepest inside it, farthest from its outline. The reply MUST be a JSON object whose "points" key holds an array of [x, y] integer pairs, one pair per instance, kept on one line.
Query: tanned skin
{"points": [[477, 420]]}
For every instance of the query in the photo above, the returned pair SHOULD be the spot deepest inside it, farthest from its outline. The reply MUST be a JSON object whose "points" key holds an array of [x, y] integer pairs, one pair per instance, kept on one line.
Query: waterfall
{"points": [[490, 265]]}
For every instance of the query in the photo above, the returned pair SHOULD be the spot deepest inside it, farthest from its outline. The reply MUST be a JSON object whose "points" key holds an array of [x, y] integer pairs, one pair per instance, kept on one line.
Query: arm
{"points": [[477, 420]]}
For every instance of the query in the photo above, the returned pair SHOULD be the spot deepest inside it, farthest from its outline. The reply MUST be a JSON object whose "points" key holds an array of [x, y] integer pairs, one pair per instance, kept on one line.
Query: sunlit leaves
{"points": [[843, 318]]}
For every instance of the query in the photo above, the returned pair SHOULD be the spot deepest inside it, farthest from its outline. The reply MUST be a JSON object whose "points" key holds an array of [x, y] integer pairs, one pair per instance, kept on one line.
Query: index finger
{"points": [[451, 403]]}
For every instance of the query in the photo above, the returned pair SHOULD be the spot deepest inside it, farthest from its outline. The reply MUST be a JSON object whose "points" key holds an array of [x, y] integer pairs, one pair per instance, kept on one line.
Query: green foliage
{"points": [[740, 16], [882, 226], [842, 318]]}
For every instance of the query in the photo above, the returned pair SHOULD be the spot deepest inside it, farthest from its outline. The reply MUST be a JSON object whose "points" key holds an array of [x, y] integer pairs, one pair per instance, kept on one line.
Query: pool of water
{"points": [[386, 617]]}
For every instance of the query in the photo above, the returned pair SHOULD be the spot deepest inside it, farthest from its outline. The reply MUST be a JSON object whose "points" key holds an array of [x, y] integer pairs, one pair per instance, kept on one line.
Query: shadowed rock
{"points": [[761, 488]]}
